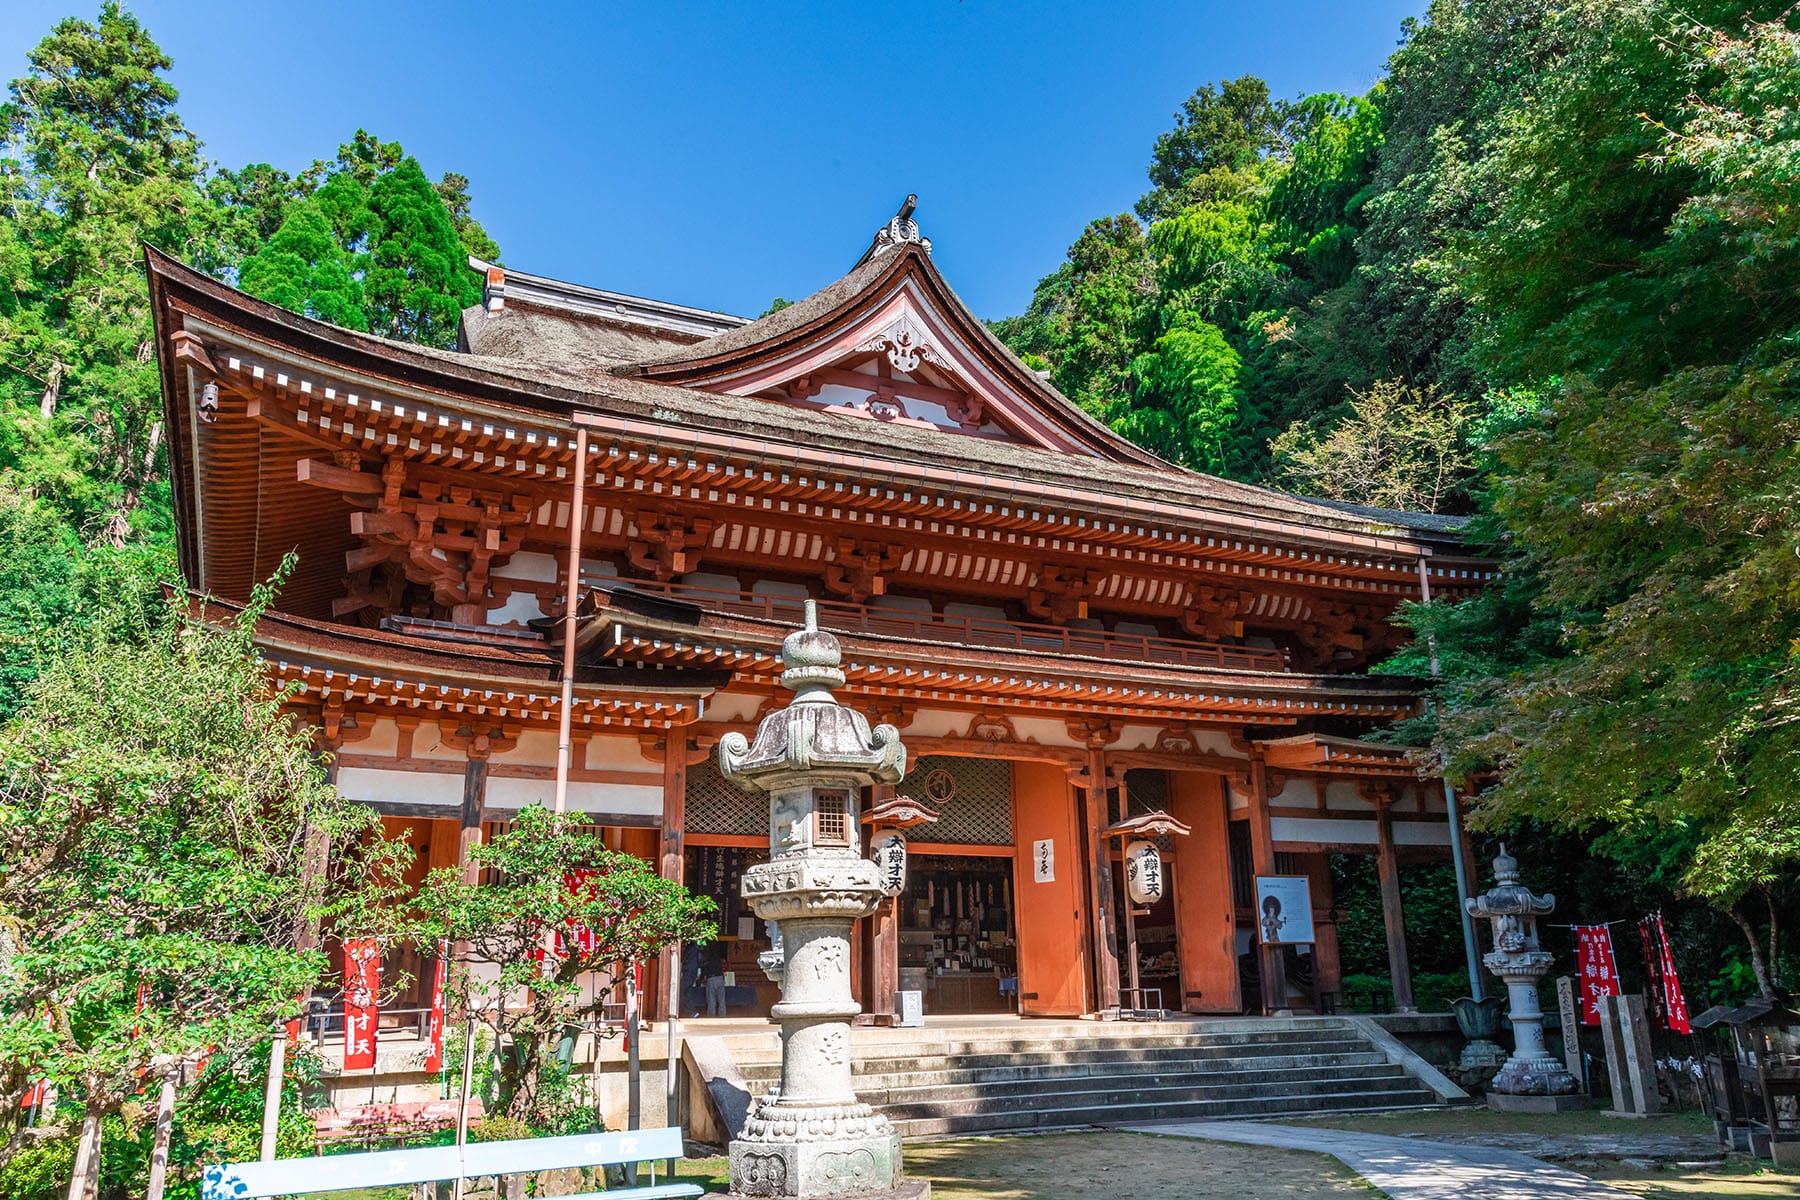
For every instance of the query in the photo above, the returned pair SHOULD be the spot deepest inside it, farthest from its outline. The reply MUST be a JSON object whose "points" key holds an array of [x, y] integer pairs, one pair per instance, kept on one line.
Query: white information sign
{"points": [[1043, 861], [1284, 910]]}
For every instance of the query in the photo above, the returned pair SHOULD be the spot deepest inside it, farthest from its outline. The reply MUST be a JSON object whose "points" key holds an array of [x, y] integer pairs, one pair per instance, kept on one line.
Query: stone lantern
{"points": [[1531, 1079], [810, 1136]]}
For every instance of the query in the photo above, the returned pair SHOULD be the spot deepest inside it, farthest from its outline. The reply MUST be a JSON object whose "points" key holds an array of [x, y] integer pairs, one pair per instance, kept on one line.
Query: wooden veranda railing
{"points": [[843, 616]]}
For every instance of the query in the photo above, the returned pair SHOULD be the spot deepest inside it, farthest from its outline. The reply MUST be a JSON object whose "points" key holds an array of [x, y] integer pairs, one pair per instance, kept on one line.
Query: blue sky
{"points": [[721, 154]]}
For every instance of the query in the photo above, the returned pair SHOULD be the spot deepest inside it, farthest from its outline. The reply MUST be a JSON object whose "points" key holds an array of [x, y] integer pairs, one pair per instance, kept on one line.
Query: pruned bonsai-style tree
{"points": [[556, 908]]}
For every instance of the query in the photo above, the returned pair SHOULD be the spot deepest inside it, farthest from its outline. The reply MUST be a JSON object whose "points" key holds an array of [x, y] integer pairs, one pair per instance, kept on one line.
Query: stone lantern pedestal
{"points": [[810, 1137], [1531, 1079]]}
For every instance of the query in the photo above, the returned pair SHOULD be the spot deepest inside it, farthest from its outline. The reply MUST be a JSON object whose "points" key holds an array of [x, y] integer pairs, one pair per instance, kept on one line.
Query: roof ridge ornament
{"points": [[901, 231]]}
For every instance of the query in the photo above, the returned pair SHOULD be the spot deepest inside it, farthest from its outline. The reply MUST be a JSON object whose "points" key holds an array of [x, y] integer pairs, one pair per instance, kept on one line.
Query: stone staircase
{"points": [[1055, 1075]]}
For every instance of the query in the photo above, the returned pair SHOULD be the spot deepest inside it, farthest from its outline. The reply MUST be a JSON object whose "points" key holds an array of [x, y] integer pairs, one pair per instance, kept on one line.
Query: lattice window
{"points": [[831, 818], [716, 805], [973, 798], [1147, 791]]}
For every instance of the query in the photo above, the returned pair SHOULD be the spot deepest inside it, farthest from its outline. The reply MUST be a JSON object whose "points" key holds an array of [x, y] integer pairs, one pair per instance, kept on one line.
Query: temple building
{"points": [[1067, 631]]}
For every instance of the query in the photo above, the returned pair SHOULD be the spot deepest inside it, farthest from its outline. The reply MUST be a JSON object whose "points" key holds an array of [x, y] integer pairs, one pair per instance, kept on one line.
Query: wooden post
{"points": [[667, 1006], [271, 1122], [1387, 869], [474, 800], [159, 1148], [1098, 811], [1271, 971], [84, 1181], [884, 956]]}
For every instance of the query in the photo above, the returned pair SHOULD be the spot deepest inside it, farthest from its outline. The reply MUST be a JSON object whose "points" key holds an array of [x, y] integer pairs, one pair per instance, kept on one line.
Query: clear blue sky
{"points": [[720, 154]]}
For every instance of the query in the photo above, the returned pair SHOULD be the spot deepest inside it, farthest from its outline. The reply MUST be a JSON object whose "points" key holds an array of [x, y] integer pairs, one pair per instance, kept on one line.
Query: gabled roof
{"points": [[896, 287]]}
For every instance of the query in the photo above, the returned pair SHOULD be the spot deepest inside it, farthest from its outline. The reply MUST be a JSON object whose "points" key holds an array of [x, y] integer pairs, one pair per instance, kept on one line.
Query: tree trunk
{"points": [[1756, 955], [1774, 938], [84, 1181], [52, 392], [159, 1150]]}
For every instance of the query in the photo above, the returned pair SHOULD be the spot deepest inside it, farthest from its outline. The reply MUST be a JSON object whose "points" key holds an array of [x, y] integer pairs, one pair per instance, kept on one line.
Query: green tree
{"points": [[157, 821], [550, 874], [1650, 502], [1399, 447], [93, 161], [304, 267], [1219, 137], [1184, 402]]}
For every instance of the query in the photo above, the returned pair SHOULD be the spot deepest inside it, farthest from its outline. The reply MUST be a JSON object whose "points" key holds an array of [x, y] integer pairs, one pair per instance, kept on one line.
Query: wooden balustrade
{"points": [[842, 616]]}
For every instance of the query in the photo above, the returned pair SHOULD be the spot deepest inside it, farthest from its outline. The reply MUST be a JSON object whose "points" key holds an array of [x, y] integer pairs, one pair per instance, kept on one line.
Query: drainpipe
{"points": [[577, 515], [1471, 949]]}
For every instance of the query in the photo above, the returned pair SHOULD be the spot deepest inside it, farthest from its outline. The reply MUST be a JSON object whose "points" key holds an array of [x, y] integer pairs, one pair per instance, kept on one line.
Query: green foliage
{"points": [[1399, 447], [157, 816], [1186, 395], [548, 873]]}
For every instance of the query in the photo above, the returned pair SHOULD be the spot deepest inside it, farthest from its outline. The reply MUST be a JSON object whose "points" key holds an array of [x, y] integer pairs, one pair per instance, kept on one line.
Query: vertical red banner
{"points": [[1675, 1003], [434, 1034], [1599, 970], [1653, 960], [362, 989]]}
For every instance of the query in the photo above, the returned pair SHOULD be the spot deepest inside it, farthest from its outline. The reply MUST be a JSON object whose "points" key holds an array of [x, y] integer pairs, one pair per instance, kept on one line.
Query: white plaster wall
{"points": [[619, 798], [380, 785], [519, 608], [907, 604], [1357, 833], [383, 740], [1297, 794], [428, 743], [732, 708], [983, 611], [535, 748], [532, 565], [777, 587], [615, 754], [1341, 795]]}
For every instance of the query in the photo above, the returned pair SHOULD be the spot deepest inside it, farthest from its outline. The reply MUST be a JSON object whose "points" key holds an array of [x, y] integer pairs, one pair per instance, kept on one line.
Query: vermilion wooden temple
{"points": [[1066, 629]]}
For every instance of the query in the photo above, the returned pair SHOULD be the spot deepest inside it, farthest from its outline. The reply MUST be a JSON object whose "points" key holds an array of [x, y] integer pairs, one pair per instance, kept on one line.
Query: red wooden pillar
{"points": [[1097, 810], [1272, 972], [884, 942]]}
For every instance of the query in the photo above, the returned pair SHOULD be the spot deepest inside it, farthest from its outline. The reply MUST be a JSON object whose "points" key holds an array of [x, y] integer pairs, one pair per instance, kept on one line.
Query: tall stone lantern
{"points": [[1530, 1079], [810, 1136]]}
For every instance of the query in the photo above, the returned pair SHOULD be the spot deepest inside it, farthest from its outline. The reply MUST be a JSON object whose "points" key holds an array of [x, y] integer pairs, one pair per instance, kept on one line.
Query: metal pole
{"points": [[577, 519], [1471, 948], [462, 1103], [272, 1093], [633, 1096], [671, 1115]]}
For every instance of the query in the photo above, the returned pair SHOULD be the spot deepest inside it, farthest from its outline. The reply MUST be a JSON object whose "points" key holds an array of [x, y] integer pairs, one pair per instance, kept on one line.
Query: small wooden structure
{"points": [[1752, 1078]]}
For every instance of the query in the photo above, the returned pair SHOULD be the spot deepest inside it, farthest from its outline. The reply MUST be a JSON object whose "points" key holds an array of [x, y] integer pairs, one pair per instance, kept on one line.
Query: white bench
{"points": [[430, 1164]]}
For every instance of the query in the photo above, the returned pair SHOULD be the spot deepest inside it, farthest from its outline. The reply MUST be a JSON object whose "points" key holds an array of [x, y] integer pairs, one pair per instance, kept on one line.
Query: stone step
{"points": [[1090, 1035], [952, 1070], [1072, 1050], [1043, 1119], [1168, 1096], [1249, 1082]]}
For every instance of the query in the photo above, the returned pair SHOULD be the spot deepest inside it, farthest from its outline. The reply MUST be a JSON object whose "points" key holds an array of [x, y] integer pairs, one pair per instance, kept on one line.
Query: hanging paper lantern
{"points": [[1143, 872], [890, 857]]}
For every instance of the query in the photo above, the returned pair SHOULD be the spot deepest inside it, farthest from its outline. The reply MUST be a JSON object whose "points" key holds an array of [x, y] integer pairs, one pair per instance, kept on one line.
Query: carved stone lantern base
{"points": [[816, 1169]]}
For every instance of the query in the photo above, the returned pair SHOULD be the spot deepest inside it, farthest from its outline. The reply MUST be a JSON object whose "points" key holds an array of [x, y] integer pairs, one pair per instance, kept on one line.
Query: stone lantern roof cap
{"points": [[1509, 897], [814, 733]]}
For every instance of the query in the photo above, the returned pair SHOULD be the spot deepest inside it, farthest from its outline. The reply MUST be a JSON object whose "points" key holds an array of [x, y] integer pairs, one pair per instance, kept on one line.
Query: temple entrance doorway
{"points": [[958, 939]]}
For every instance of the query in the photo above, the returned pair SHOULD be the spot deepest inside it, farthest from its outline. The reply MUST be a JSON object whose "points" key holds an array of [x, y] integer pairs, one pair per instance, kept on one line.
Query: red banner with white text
{"points": [[1599, 969], [1674, 1003], [434, 1034], [362, 990]]}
